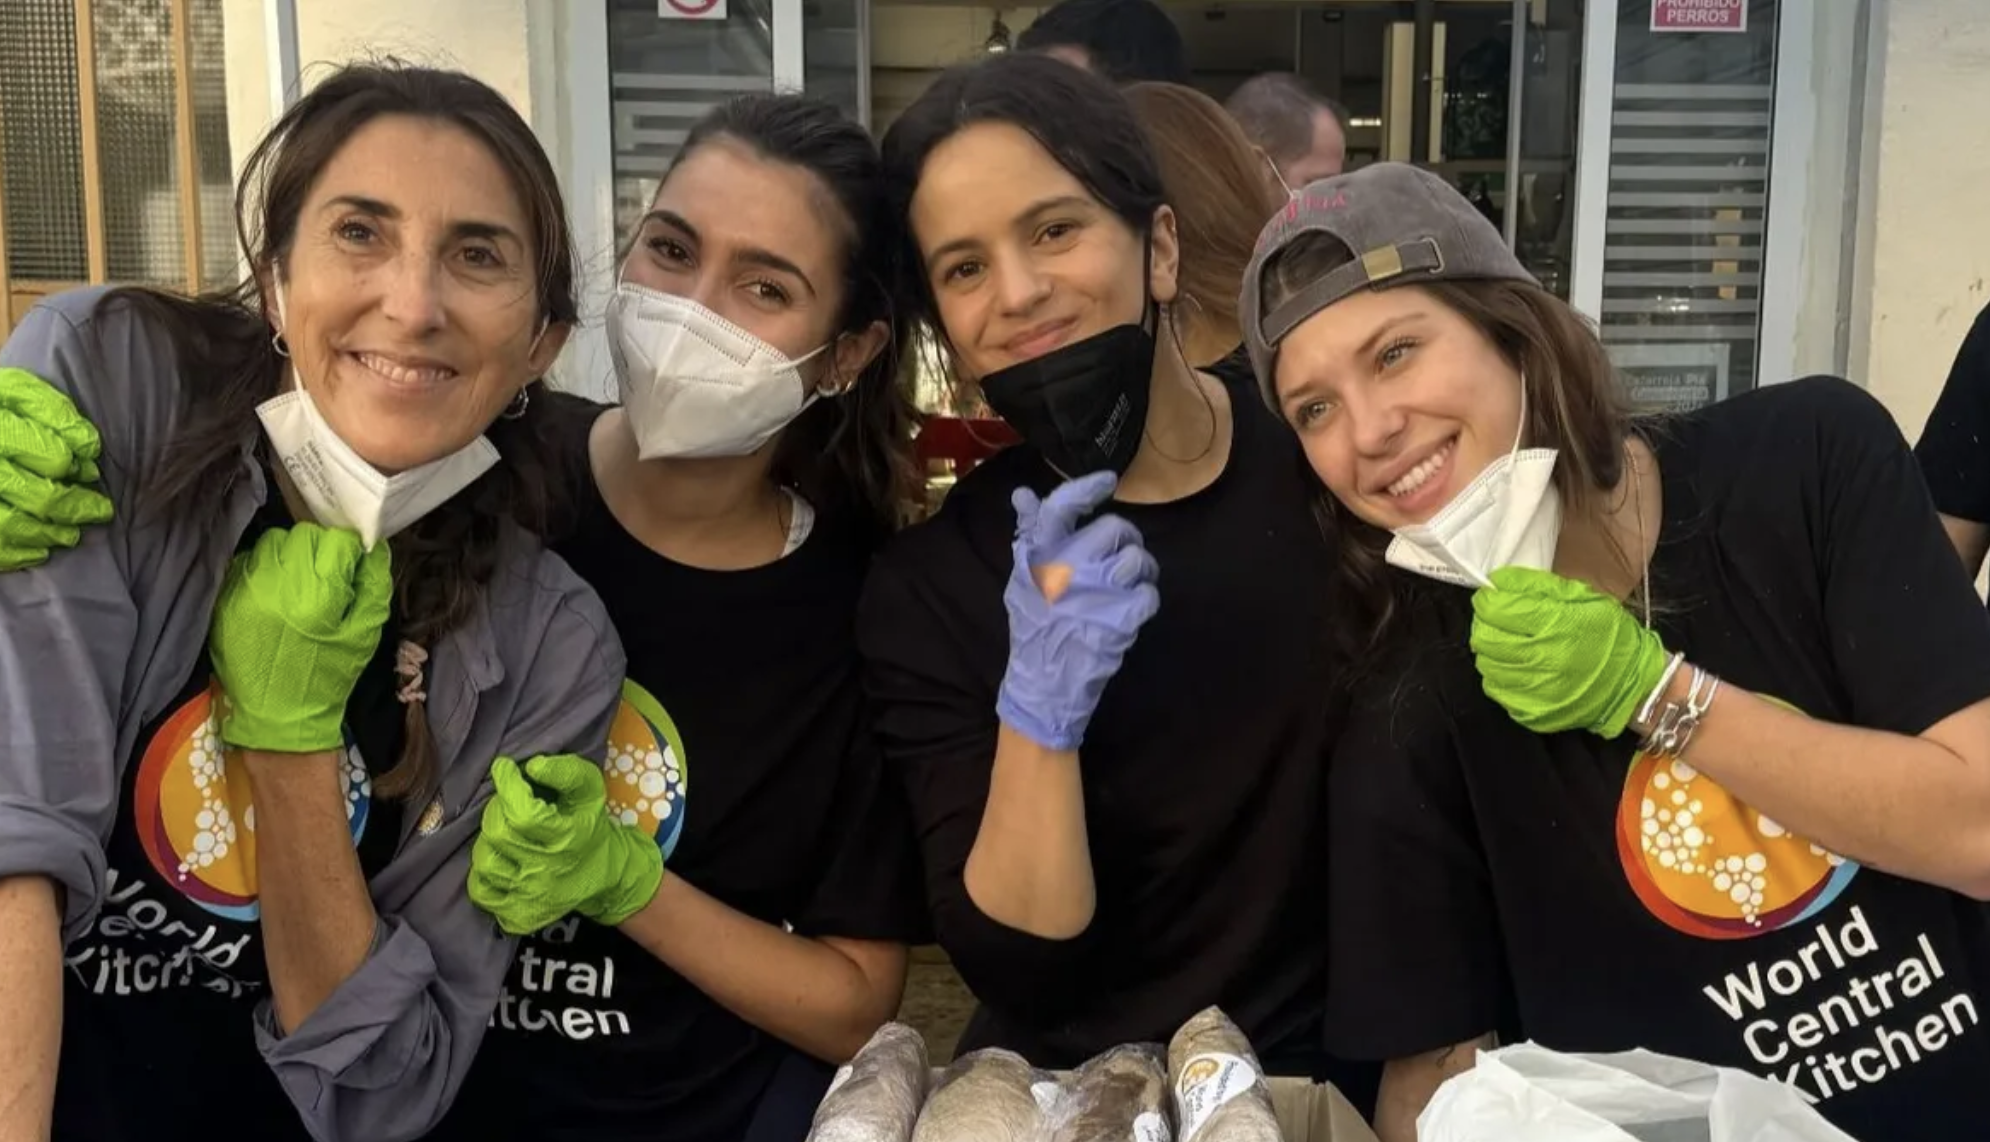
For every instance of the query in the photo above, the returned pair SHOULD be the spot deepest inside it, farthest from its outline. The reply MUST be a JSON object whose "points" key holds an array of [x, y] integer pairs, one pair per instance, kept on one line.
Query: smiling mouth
{"points": [[1040, 340], [402, 373], [1420, 475]]}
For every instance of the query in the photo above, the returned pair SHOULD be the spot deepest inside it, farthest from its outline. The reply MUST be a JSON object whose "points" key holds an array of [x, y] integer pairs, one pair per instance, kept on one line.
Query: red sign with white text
{"points": [[1699, 15]]}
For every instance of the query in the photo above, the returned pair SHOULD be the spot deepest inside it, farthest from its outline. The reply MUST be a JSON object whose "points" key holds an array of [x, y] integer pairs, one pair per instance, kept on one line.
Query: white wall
{"points": [[1926, 265], [487, 38]]}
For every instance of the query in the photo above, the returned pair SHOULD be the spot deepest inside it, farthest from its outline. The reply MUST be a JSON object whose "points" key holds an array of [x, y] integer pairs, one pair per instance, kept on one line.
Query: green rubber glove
{"points": [[299, 617], [1560, 655], [549, 847], [48, 454]]}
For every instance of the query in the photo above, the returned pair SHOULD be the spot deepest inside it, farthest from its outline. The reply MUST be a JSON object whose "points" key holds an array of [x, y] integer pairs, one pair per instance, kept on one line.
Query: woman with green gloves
{"points": [[723, 916], [1676, 732], [245, 726]]}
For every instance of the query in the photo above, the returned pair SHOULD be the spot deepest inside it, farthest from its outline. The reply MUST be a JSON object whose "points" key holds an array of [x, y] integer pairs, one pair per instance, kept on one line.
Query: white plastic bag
{"points": [[1527, 1093]]}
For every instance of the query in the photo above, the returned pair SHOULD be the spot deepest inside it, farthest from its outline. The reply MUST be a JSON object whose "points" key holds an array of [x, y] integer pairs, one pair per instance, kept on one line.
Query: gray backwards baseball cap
{"points": [[1404, 226]]}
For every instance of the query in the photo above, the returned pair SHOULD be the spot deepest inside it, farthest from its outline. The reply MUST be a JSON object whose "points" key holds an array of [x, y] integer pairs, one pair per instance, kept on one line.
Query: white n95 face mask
{"points": [[340, 488], [1509, 516], [344, 491], [695, 384]]}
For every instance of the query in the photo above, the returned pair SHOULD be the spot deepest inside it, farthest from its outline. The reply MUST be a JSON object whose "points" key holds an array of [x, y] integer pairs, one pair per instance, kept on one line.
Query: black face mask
{"points": [[1082, 405]]}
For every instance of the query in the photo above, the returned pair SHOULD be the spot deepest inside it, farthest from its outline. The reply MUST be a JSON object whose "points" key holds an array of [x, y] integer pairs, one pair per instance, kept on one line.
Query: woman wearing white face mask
{"points": [[1681, 737], [742, 889], [247, 725]]}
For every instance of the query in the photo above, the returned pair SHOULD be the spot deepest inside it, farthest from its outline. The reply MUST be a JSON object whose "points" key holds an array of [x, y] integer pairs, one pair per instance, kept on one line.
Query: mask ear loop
{"points": [[1512, 456]]}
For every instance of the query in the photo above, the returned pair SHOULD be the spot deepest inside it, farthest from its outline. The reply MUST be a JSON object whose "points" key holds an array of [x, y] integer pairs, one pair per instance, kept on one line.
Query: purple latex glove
{"points": [[1065, 648]]}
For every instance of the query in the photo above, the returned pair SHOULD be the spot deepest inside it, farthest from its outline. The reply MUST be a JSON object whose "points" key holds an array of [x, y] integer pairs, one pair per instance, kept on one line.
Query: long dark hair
{"points": [[1083, 121], [851, 453], [442, 563], [1573, 405]]}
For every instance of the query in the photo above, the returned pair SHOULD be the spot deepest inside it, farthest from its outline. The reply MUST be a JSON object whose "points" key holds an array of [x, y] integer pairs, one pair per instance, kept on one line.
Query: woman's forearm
{"points": [[1031, 864], [1917, 807], [31, 998], [824, 997], [318, 921]]}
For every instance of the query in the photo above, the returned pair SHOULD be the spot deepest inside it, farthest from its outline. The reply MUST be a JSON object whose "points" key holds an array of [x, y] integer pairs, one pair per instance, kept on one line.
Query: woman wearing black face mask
{"points": [[1115, 835]]}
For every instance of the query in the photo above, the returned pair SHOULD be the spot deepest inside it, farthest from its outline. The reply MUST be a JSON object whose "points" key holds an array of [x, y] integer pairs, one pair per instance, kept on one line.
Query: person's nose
{"points": [[414, 293], [1019, 285], [1376, 422]]}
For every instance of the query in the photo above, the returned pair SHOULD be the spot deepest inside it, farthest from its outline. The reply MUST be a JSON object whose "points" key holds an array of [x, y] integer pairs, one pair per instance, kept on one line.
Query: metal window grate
{"points": [[209, 56], [137, 141], [1687, 210], [41, 145]]}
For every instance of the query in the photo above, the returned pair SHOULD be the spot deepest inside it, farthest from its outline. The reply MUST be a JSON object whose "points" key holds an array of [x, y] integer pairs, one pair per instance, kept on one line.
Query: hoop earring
{"points": [[518, 405], [281, 346]]}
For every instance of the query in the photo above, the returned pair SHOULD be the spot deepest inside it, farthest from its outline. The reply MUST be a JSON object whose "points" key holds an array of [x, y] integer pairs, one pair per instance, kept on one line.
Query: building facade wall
{"points": [[1926, 252], [493, 40]]}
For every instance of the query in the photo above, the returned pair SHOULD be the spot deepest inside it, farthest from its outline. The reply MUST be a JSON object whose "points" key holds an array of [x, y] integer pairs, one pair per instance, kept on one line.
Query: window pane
{"points": [[1688, 205], [664, 76], [41, 133]]}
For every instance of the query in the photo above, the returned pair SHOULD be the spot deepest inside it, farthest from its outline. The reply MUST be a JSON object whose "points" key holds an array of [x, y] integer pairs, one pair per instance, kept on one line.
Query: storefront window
{"points": [[665, 75], [1688, 202]]}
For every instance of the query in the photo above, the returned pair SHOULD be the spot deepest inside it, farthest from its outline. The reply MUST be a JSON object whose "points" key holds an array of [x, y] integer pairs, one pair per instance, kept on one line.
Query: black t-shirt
{"points": [[1203, 766], [158, 1038], [1954, 449], [1562, 888], [743, 745]]}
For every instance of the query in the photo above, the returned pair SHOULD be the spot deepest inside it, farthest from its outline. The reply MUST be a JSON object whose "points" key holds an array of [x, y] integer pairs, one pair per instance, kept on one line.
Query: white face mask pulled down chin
{"points": [[1510, 515], [696, 385], [339, 487]]}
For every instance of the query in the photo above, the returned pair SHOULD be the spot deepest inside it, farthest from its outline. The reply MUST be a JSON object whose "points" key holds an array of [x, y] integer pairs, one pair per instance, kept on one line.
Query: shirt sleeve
{"points": [[70, 628], [1414, 949], [1954, 451], [1909, 638], [936, 724], [870, 885], [384, 1056]]}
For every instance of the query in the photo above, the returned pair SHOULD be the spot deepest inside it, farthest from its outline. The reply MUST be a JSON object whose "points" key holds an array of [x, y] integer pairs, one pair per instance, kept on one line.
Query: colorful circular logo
{"points": [[193, 813], [1712, 867], [647, 776]]}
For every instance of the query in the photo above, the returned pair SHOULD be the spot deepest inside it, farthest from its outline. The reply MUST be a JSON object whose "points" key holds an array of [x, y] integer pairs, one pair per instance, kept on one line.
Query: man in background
{"points": [[1302, 133], [1126, 41]]}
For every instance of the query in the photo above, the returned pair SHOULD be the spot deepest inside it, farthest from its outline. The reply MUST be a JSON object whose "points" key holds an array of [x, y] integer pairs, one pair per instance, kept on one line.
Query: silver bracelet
{"points": [[1658, 691], [1697, 705], [1677, 722]]}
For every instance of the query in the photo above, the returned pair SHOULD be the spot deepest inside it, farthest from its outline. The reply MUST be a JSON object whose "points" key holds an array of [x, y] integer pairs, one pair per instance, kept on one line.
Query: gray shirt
{"points": [[96, 642]]}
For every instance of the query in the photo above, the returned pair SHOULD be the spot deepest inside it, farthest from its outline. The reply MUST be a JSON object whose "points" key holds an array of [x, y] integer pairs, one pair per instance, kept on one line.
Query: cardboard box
{"points": [[1316, 1112]]}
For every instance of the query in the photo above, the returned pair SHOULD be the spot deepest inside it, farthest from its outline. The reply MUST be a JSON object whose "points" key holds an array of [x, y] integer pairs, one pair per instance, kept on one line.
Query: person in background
{"points": [[1954, 449], [1221, 193], [247, 726], [1126, 41], [1670, 734], [1120, 813], [1301, 133]]}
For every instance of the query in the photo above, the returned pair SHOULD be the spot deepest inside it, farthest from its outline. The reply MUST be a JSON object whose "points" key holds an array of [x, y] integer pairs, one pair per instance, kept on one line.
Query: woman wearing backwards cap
{"points": [[1676, 732]]}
